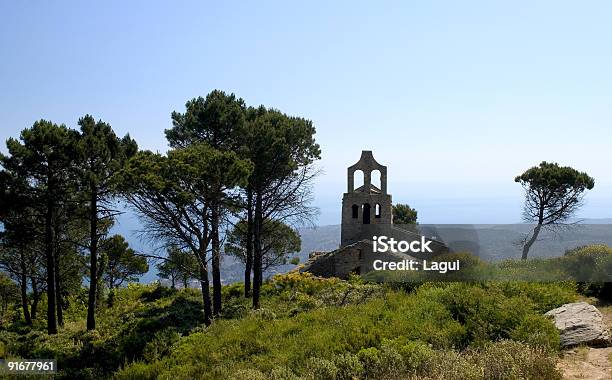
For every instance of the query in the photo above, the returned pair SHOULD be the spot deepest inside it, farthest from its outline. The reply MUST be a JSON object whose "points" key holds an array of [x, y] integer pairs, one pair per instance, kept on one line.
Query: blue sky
{"points": [[456, 98]]}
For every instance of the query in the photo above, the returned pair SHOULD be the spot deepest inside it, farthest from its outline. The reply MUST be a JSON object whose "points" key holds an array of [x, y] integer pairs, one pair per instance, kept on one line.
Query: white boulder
{"points": [[580, 323]]}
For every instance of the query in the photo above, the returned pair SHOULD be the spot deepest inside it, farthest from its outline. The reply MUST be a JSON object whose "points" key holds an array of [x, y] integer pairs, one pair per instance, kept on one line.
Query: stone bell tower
{"points": [[366, 204]]}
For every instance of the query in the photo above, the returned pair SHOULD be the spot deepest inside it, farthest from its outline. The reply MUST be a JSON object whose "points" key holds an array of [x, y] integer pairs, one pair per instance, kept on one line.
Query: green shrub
{"points": [[161, 344], [294, 261], [544, 296], [451, 365], [235, 308], [355, 279], [305, 302], [235, 290], [152, 292], [531, 270], [537, 331], [8, 342], [349, 366], [514, 360], [321, 369], [422, 316], [263, 314], [591, 266], [414, 353], [283, 373], [138, 370], [385, 361], [391, 361], [369, 357], [248, 374], [491, 311], [485, 311]]}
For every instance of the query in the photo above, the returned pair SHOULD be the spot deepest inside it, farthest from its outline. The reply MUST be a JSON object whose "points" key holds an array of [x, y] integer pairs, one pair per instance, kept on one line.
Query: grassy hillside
{"points": [[310, 328], [327, 329]]}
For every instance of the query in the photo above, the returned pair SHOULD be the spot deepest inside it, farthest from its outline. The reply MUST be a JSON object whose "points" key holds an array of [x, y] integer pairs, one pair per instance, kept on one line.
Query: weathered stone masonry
{"points": [[366, 211]]}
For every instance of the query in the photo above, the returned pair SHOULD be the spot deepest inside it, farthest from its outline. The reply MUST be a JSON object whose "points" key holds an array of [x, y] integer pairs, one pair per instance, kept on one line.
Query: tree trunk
{"points": [[260, 276], [257, 254], [249, 245], [98, 294], [51, 316], [58, 292], [23, 282], [184, 282], [216, 260], [93, 257], [529, 243], [35, 298], [58, 284], [99, 284], [205, 293]]}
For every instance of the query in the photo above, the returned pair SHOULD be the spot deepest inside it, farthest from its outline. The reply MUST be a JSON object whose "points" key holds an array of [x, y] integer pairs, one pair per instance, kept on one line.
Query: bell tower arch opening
{"points": [[366, 213], [358, 179], [376, 179]]}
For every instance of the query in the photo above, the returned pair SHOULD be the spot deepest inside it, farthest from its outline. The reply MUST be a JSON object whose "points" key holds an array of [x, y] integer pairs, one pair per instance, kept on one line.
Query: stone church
{"points": [[367, 211]]}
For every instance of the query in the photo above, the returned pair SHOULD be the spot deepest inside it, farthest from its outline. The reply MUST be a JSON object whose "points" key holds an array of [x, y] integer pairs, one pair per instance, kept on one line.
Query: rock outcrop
{"points": [[580, 323]]}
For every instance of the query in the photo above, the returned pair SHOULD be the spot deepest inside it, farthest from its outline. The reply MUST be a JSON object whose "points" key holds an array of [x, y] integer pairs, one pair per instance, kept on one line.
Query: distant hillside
{"points": [[491, 242], [498, 242]]}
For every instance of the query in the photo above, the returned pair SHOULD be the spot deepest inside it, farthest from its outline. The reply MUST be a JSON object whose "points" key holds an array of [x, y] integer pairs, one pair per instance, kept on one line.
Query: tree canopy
{"points": [[179, 265], [404, 214], [174, 195], [278, 241], [553, 194], [122, 262], [45, 161]]}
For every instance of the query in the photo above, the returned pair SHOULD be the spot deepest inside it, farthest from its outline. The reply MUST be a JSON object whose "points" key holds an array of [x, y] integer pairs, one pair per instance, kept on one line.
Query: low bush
{"points": [[591, 266], [349, 367], [371, 361], [537, 331], [284, 373], [452, 365], [414, 353], [321, 369], [545, 296], [513, 360], [299, 281], [161, 344], [504, 359]]}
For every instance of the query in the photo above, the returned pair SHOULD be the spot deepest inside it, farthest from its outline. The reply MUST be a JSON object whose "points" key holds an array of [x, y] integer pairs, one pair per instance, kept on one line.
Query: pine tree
{"points": [[102, 155], [45, 158]]}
